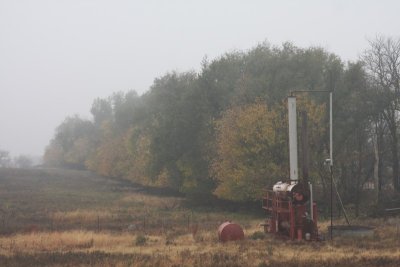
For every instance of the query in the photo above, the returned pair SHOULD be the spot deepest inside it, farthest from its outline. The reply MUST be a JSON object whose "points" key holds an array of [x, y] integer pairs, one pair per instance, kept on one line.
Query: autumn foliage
{"points": [[248, 150], [223, 130]]}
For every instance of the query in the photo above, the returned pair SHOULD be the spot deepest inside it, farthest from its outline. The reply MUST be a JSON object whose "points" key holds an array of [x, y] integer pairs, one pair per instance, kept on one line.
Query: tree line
{"points": [[223, 130], [21, 161]]}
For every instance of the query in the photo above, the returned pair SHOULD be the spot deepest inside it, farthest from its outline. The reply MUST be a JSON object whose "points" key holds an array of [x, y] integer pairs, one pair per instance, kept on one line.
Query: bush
{"points": [[140, 240], [257, 235]]}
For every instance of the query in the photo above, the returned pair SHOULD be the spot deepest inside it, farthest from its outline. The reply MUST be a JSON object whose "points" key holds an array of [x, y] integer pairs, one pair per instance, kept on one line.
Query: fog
{"points": [[56, 57]]}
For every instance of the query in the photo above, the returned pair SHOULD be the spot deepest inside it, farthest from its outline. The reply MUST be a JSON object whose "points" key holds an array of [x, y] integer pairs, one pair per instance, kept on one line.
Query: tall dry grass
{"points": [[62, 218], [201, 248], [81, 216]]}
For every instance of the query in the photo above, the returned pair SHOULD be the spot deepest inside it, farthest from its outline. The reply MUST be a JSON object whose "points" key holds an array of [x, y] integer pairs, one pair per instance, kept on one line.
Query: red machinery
{"points": [[290, 211], [290, 208]]}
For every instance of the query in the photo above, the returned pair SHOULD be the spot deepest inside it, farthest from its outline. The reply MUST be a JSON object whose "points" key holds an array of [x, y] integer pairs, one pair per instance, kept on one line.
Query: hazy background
{"points": [[56, 57]]}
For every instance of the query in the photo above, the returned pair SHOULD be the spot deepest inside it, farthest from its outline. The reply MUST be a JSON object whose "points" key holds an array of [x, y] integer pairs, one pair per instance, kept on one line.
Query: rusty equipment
{"points": [[291, 211], [230, 232]]}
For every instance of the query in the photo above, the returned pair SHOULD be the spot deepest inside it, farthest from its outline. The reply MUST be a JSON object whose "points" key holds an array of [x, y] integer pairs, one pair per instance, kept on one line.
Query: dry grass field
{"points": [[75, 218]]}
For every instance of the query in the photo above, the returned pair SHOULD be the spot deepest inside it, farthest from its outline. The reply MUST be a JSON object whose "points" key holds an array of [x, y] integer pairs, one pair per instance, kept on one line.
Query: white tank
{"points": [[292, 116], [280, 187]]}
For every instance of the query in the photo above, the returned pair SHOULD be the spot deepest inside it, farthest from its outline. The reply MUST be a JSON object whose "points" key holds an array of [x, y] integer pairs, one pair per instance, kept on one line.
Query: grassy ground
{"points": [[75, 218]]}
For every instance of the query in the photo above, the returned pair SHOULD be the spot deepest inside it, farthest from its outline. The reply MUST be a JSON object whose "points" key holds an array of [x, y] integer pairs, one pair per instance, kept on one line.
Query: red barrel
{"points": [[230, 232]]}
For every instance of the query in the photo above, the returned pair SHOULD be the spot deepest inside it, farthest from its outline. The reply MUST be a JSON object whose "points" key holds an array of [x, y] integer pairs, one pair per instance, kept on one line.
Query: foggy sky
{"points": [[57, 56]]}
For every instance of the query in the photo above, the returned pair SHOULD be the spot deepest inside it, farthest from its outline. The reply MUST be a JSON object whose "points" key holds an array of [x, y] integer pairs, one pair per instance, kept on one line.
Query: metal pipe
{"points": [[293, 161], [331, 170], [304, 146], [331, 158], [311, 202], [330, 130]]}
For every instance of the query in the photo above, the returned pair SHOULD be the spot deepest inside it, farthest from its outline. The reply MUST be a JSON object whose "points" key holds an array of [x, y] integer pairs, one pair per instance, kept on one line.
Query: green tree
{"points": [[71, 146], [193, 131], [127, 109], [101, 111]]}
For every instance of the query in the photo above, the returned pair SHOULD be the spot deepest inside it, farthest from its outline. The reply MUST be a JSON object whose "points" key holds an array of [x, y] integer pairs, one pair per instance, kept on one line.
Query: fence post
{"points": [[188, 222]]}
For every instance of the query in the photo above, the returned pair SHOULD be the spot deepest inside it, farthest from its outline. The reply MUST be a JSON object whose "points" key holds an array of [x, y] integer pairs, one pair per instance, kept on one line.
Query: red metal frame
{"points": [[282, 210]]}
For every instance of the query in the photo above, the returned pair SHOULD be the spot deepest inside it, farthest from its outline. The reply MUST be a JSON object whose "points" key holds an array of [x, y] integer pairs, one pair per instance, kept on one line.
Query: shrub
{"points": [[257, 235], [140, 240]]}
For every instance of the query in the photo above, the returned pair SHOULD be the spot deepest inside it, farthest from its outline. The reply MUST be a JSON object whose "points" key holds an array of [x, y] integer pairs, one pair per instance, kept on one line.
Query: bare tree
{"points": [[382, 60]]}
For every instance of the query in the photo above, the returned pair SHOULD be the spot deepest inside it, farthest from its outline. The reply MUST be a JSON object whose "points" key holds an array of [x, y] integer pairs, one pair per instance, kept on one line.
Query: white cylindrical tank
{"points": [[280, 187], [293, 161]]}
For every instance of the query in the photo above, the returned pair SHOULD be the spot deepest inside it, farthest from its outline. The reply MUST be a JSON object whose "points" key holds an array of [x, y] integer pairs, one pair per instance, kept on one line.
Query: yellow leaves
{"points": [[189, 184], [245, 139], [139, 146], [79, 151], [163, 179], [252, 147], [112, 158], [53, 155], [249, 127], [314, 111]]}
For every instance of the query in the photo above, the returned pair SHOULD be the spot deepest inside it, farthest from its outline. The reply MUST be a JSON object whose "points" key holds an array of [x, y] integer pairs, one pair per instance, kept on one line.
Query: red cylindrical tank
{"points": [[230, 232]]}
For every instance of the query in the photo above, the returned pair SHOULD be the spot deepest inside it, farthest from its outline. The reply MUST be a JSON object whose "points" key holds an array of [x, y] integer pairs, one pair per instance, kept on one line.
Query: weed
{"points": [[258, 235], [70, 218], [270, 251], [140, 240]]}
